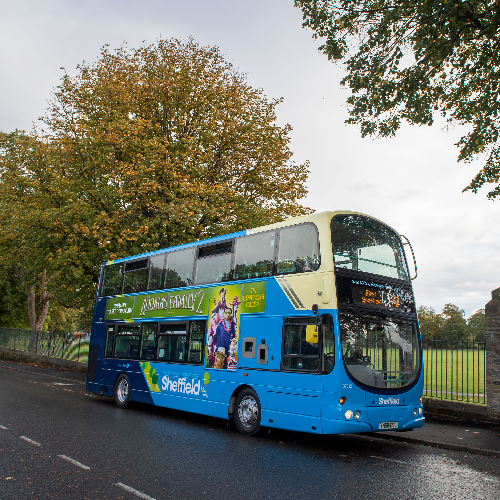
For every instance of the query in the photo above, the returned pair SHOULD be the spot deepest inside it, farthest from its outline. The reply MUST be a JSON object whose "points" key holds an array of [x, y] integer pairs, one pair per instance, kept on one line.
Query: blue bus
{"points": [[306, 325]]}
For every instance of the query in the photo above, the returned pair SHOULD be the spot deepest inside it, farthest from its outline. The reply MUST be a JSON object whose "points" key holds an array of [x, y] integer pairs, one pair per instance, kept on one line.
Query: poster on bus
{"points": [[222, 336]]}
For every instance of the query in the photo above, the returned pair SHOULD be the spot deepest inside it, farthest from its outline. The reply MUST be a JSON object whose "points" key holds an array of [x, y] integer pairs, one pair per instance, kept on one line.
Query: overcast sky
{"points": [[412, 182]]}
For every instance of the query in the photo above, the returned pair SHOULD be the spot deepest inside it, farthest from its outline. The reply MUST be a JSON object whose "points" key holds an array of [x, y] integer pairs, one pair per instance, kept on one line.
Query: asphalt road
{"points": [[58, 441]]}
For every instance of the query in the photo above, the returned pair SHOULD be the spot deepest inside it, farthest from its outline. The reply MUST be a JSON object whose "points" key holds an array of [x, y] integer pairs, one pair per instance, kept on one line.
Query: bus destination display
{"points": [[377, 295]]}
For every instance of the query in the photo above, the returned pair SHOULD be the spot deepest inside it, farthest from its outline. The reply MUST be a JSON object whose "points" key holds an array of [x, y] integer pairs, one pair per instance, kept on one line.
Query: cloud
{"points": [[412, 182]]}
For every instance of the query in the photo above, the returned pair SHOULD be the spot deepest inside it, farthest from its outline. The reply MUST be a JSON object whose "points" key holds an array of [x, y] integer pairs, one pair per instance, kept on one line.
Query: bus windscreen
{"points": [[380, 351], [366, 245]]}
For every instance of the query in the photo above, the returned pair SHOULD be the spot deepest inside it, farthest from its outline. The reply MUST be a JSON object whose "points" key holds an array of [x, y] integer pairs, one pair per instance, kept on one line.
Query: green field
{"points": [[455, 374]]}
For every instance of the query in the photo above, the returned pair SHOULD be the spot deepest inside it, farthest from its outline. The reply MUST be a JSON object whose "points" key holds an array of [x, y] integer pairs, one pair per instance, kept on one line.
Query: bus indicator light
{"points": [[342, 400]]}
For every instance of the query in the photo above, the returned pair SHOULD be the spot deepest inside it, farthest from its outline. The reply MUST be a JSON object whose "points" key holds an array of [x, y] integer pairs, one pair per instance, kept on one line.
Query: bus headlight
{"points": [[357, 415], [348, 414], [414, 412], [420, 411]]}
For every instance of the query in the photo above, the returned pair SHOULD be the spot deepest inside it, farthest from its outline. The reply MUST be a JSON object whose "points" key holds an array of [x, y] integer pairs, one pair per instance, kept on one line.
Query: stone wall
{"points": [[493, 354], [458, 412]]}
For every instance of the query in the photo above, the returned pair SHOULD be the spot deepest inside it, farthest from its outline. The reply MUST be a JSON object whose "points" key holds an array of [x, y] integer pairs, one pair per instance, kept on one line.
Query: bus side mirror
{"points": [[407, 242], [312, 334]]}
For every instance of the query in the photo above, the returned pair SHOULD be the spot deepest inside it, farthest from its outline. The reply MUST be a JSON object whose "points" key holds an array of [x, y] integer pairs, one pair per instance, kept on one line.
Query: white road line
{"points": [[42, 374], [135, 492], [75, 462], [3, 427], [390, 460], [30, 440]]}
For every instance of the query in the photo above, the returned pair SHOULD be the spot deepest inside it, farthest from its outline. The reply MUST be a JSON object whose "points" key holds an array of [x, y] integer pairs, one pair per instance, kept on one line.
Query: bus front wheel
{"points": [[247, 412], [122, 391]]}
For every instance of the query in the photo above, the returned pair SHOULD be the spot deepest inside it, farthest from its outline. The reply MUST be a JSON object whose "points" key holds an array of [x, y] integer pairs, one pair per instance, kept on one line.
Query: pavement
{"points": [[484, 439], [478, 439]]}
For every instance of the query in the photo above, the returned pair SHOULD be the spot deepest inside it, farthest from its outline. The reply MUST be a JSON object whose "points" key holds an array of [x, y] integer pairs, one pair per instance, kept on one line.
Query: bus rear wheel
{"points": [[122, 391], [247, 412]]}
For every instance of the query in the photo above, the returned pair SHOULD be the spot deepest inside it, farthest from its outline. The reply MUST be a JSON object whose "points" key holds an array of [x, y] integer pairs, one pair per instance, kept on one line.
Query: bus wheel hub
{"points": [[248, 411]]}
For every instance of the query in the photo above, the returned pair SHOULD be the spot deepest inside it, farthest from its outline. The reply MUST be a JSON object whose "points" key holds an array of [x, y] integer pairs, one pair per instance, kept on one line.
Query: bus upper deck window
{"points": [[112, 280], [135, 276], [366, 245], [156, 272], [214, 263], [179, 269], [298, 249], [254, 255]]}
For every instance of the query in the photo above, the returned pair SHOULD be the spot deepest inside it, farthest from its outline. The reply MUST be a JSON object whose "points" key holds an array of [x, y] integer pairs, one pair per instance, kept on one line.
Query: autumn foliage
{"points": [[144, 149]]}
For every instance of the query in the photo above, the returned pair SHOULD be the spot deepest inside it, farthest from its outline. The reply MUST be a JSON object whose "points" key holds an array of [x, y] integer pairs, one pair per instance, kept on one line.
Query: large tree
{"points": [[407, 60], [454, 327], [146, 148], [476, 324], [29, 210], [430, 323]]}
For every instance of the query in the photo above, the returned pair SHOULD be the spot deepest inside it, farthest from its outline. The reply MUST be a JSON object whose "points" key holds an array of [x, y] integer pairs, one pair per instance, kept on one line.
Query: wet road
{"points": [[58, 441]]}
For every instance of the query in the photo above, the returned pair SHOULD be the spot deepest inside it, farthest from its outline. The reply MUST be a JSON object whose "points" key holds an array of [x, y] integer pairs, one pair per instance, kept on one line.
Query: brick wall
{"points": [[493, 354]]}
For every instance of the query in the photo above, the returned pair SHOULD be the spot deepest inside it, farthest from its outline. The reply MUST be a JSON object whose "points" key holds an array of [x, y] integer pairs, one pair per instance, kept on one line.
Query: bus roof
{"points": [[317, 218]]}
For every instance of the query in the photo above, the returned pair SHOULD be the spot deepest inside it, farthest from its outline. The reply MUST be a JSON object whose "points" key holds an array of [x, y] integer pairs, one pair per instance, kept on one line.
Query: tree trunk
{"points": [[36, 323]]}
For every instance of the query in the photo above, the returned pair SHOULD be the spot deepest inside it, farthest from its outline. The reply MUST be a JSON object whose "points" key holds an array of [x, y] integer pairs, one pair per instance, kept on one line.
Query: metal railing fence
{"points": [[455, 371], [59, 345]]}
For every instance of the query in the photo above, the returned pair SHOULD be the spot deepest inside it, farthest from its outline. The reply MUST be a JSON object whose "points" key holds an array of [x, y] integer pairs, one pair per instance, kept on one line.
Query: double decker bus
{"points": [[307, 325]]}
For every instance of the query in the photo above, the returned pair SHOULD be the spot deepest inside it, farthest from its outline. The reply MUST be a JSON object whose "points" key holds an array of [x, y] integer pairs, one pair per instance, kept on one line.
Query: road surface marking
{"points": [[42, 374], [75, 462], [60, 383], [390, 460], [30, 440], [135, 492], [3, 427]]}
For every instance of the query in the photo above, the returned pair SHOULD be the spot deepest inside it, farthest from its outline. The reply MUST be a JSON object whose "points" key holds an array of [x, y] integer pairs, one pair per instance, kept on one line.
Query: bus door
{"points": [[287, 364]]}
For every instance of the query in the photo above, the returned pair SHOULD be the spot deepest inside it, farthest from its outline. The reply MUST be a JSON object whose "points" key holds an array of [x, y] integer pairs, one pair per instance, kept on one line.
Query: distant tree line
{"points": [[451, 324]]}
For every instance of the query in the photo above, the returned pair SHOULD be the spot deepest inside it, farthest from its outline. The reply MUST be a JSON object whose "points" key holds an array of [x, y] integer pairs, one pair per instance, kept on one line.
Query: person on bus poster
{"points": [[222, 336]]}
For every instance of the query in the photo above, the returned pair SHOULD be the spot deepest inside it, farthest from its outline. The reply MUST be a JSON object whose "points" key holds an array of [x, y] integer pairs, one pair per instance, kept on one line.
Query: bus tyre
{"points": [[122, 391], [247, 412]]}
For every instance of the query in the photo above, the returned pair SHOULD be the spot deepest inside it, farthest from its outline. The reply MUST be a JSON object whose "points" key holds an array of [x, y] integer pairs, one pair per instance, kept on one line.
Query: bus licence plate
{"points": [[388, 425]]}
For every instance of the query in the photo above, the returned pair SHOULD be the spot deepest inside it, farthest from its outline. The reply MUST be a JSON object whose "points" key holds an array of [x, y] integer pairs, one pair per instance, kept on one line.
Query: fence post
{"points": [[492, 310]]}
